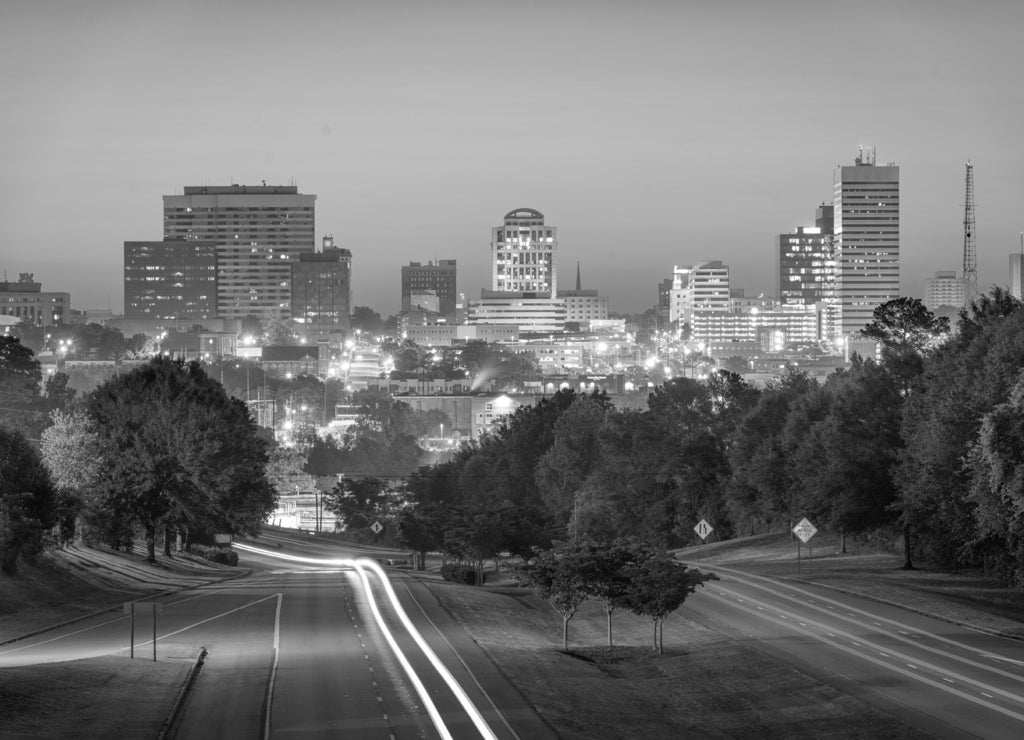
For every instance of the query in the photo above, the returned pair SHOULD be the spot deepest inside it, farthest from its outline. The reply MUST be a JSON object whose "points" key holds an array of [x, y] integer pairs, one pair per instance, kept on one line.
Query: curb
{"points": [[83, 617], [170, 725]]}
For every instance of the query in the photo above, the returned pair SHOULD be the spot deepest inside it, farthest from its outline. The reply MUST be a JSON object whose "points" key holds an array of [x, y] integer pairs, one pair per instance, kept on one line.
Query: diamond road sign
{"points": [[703, 529], [805, 530], [376, 527]]}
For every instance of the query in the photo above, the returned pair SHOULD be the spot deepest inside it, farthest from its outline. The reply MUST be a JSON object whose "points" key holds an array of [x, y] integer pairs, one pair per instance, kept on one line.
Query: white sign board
{"points": [[703, 529], [805, 530], [376, 527]]}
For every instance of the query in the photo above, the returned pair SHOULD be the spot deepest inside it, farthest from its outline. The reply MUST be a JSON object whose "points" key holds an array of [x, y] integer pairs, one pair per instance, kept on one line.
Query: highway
{"points": [[312, 649], [949, 681]]}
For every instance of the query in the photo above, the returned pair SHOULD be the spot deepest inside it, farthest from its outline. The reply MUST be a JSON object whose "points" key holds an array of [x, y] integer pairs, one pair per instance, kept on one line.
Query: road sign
{"points": [[376, 527], [805, 530], [703, 529]]}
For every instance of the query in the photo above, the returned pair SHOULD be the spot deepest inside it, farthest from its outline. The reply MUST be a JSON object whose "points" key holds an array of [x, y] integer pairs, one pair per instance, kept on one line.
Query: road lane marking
{"points": [[459, 658], [269, 699], [919, 677], [361, 566], [913, 639]]}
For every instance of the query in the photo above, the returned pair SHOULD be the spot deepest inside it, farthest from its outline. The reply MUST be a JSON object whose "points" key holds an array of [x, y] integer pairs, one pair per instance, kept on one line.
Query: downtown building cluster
{"points": [[236, 258]]}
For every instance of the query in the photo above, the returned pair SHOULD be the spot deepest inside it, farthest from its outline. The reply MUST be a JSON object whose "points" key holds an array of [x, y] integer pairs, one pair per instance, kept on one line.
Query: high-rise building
{"points": [[429, 287], [258, 231], [805, 268], [945, 289], [1017, 271], [867, 240], [170, 279], [523, 254], [321, 295], [700, 287]]}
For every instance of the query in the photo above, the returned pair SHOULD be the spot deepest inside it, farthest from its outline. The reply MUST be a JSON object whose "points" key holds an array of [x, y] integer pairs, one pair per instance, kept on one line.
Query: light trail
{"points": [[361, 565]]}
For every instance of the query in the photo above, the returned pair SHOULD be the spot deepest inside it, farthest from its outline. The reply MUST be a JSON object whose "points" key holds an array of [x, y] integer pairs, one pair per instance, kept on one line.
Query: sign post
{"points": [[703, 529], [804, 532], [377, 527], [129, 608]]}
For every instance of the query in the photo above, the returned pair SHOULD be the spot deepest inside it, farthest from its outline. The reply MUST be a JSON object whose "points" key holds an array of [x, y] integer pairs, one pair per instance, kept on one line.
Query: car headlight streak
{"points": [[361, 566]]}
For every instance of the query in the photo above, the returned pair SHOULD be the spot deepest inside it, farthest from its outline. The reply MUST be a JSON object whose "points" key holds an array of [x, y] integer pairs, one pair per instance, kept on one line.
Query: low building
{"points": [[25, 300]]}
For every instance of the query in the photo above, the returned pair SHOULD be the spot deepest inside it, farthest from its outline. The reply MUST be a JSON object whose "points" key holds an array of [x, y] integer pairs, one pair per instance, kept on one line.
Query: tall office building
{"points": [[946, 289], [523, 252], [170, 279], [258, 231], [867, 240], [429, 287], [1017, 272], [805, 269], [321, 292], [700, 287]]}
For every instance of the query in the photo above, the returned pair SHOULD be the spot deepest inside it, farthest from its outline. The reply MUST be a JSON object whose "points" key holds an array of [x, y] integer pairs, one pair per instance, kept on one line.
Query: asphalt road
{"points": [[297, 651], [948, 680]]}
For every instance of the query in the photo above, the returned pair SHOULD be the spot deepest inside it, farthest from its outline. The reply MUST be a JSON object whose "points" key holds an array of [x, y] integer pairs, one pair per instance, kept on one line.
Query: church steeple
{"points": [[579, 282]]}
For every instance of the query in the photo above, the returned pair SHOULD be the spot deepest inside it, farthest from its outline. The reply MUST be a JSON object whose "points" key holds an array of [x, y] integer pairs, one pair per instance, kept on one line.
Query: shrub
{"points": [[215, 554], [459, 573]]}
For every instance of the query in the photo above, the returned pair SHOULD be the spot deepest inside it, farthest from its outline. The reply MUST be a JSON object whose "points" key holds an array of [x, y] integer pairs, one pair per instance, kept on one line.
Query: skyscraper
{"points": [[432, 279], [867, 240], [523, 252], [945, 290], [171, 279], [805, 269], [258, 231], [321, 293]]}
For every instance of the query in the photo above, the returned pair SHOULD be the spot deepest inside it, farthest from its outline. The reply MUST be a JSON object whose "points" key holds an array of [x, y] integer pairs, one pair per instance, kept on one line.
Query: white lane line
{"points": [[361, 566], [273, 667], [459, 657], [973, 698], [912, 639], [948, 680], [424, 695]]}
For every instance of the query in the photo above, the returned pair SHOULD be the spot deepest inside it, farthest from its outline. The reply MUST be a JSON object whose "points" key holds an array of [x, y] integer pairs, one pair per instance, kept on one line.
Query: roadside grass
{"points": [[704, 685], [108, 697], [872, 569]]}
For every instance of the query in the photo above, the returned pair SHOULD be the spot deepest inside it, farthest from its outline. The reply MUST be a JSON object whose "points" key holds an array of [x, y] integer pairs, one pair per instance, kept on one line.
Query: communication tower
{"points": [[970, 252]]}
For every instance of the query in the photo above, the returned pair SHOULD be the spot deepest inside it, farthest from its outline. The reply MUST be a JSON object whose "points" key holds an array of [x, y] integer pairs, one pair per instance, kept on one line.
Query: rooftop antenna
{"points": [[970, 251]]}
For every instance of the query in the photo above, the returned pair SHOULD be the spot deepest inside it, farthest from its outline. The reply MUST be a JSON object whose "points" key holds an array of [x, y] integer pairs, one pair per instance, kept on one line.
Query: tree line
{"points": [[921, 448]]}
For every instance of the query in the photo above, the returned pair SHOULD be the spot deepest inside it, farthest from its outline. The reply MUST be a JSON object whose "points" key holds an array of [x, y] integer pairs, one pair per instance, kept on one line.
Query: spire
{"points": [[579, 282]]}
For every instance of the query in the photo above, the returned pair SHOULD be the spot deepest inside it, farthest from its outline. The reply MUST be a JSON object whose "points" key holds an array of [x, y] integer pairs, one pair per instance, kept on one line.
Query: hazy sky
{"points": [[650, 133]]}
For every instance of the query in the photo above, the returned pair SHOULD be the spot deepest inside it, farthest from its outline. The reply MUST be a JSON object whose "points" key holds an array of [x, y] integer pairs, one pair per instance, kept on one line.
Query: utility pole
{"points": [[970, 275]]}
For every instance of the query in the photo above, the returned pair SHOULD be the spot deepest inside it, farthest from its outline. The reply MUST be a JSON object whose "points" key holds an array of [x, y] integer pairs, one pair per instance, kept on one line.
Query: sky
{"points": [[651, 134]]}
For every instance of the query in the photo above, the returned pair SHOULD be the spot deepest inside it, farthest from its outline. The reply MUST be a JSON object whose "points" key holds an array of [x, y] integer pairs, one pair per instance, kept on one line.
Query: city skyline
{"points": [[651, 134]]}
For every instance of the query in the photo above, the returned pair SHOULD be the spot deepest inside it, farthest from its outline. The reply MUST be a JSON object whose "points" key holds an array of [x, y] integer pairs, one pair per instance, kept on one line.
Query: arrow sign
{"points": [[703, 529], [376, 527], [805, 530]]}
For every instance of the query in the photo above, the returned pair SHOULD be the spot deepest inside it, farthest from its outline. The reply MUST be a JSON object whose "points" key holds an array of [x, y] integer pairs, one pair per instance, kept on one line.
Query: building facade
{"points": [[1017, 275], [26, 301], [532, 313], [321, 292], [170, 279], [867, 240], [523, 254], [945, 289], [429, 287], [700, 287], [258, 232]]}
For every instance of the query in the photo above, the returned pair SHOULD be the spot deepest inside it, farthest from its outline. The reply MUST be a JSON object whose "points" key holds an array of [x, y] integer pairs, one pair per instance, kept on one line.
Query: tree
{"points": [[178, 452], [606, 569], [367, 321], [72, 452], [26, 500], [556, 575], [358, 501], [905, 328], [659, 586]]}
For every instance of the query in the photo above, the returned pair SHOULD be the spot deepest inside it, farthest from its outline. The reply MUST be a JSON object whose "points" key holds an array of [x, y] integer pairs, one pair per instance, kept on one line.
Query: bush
{"points": [[459, 573], [215, 554]]}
